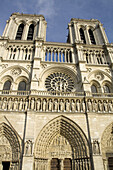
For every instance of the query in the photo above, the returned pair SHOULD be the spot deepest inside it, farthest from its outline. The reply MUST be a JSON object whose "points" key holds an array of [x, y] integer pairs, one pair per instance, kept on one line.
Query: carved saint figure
{"points": [[32, 104], [83, 106], [50, 107], [28, 148], [10, 103], [95, 106], [100, 106], [72, 105], [89, 105], [67, 105], [105, 105], [15, 106], [110, 106], [44, 105], [78, 105], [38, 104], [21, 105], [4, 104], [26, 104], [62, 107], [96, 147], [55, 105]]}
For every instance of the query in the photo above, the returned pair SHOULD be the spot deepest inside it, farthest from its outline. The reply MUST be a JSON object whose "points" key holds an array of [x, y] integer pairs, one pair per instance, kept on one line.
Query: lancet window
{"points": [[92, 39], [7, 85], [106, 89], [20, 32], [82, 35], [22, 86], [93, 89], [30, 32]]}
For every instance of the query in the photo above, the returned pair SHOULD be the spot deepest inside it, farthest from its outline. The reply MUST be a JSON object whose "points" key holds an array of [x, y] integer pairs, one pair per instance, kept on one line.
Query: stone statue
{"points": [[55, 105], [10, 103], [89, 106], [62, 106], [95, 106], [50, 106], [67, 105], [21, 105], [38, 104], [72, 105], [83, 106], [100, 106], [28, 148], [15, 106], [26, 104], [105, 106], [96, 147], [110, 106], [4, 104], [78, 105], [32, 104], [44, 105]]}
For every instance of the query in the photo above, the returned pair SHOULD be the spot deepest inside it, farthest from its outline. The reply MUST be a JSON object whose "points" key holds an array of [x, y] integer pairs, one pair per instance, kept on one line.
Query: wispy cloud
{"points": [[47, 8]]}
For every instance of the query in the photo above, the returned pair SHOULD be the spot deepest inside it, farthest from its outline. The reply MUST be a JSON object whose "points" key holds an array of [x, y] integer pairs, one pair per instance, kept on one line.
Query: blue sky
{"points": [[58, 14]]}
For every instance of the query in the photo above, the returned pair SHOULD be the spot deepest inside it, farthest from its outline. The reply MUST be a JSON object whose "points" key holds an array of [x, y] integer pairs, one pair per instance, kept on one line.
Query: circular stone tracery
{"points": [[60, 82]]}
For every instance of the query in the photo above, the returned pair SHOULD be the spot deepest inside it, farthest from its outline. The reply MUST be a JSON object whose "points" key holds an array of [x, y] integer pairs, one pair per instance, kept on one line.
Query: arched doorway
{"points": [[107, 147], [9, 148], [61, 145]]}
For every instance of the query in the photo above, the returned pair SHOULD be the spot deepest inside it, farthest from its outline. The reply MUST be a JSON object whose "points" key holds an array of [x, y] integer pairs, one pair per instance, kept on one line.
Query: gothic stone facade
{"points": [[56, 99]]}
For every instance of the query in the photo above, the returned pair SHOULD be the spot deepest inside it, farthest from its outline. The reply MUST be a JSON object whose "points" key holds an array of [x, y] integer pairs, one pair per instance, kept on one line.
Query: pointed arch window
{"points": [[22, 86], [93, 89], [82, 35], [92, 39], [30, 32], [20, 32], [7, 85], [106, 89]]}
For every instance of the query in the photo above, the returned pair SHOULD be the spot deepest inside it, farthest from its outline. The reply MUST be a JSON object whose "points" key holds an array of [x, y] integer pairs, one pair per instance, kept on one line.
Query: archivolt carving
{"points": [[107, 140], [9, 144], [67, 131]]}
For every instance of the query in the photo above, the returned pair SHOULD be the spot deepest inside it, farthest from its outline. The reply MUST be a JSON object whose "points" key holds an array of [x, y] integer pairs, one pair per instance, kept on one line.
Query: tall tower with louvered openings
{"points": [[56, 99]]}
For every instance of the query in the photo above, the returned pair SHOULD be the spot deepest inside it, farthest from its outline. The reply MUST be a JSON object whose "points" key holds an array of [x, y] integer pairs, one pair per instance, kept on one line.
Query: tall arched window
{"points": [[20, 32], [30, 32], [92, 39], [82, 35], [7, 85], [106, 89], [22, 86], [93, 89]]}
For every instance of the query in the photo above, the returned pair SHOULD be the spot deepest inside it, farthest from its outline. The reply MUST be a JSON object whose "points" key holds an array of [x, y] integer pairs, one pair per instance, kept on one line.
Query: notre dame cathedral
{"points": [[56, 99]]}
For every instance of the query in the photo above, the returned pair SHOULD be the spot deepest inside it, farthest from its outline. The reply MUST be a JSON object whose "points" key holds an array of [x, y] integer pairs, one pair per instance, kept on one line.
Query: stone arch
{"points": [[9, 145], [107, 145], [68, 131]]}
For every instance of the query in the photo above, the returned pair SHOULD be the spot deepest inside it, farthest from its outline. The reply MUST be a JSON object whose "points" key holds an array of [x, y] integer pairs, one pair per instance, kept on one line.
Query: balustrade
{"points": [[20, 53], [58, 54], [94, 56]]}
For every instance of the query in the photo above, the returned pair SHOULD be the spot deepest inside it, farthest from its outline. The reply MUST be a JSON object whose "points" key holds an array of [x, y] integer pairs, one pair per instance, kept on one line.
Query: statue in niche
{"points": [[44, 105], [89, 105], [72, 105], [21, 105], [95, 106], [26, 104], [32, 104], [15, 106], [28, 147], [78, 105], [83, 106], [55, 105], [100, 106], [50, 107], [10, 104], [96, 147], [105, 106], [4, 104], [38, 104], [67, 105], [62, 106], [110, 106]]}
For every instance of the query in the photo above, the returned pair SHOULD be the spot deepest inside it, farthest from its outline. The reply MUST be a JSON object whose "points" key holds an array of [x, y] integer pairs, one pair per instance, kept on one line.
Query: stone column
{"points": [[70, 33], [103, 33]]}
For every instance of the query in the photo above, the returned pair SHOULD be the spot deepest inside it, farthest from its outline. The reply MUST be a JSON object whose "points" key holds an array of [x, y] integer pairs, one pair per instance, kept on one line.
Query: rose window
{"points": [[59, 82]]}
